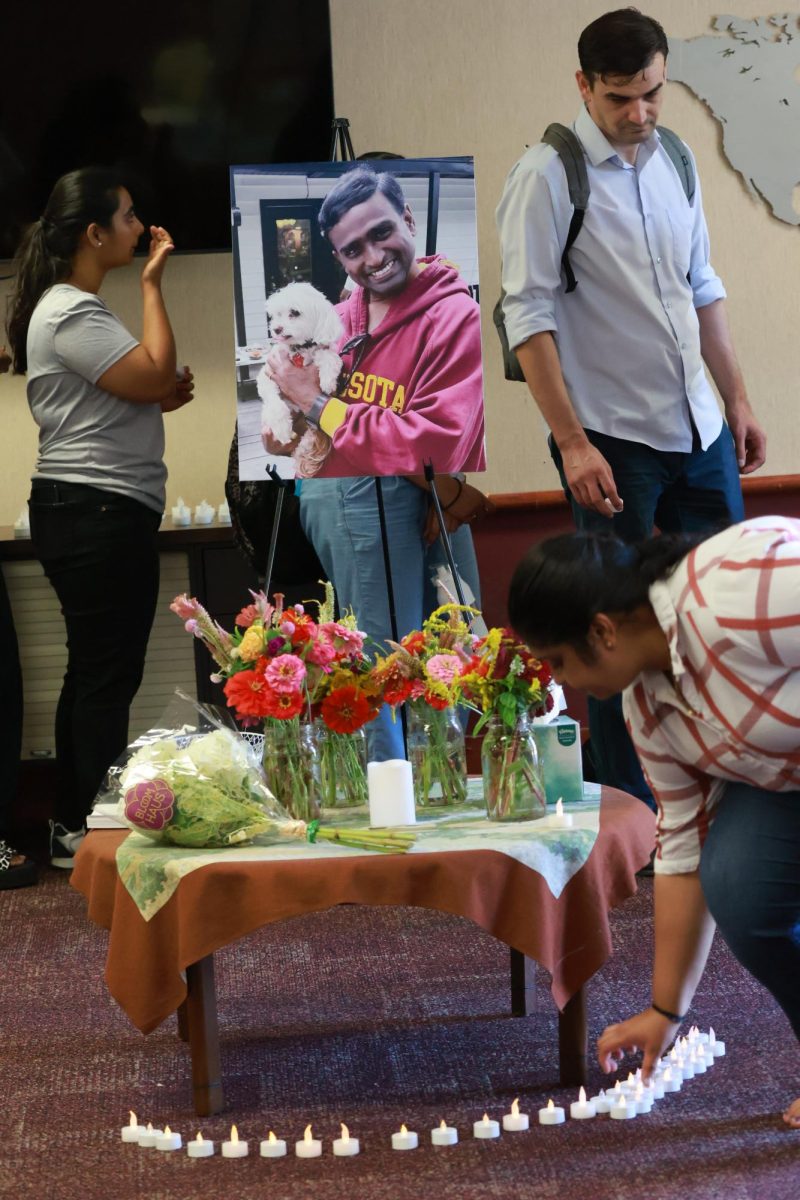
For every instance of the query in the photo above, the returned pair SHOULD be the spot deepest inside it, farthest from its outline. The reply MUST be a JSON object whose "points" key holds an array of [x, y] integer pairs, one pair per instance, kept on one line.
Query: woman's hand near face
{"points": [[161, 246]]}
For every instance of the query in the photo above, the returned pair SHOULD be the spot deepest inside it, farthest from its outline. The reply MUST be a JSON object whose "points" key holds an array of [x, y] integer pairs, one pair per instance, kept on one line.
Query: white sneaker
{"points": [[64, 845]]}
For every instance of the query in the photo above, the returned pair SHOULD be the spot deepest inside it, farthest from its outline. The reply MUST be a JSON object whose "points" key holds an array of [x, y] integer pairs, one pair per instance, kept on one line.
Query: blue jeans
{"points": [[340, 519], [750, 874], [694, 492], [98, 550]]}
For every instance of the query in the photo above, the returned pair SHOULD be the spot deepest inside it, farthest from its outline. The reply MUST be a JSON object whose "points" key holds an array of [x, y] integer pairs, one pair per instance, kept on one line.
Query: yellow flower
{"points": [[252, 644]]}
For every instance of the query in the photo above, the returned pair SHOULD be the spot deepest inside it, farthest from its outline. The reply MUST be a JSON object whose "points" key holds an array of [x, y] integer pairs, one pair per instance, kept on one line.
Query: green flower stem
{"points": [[290, 769], [437, 760], [342, 771]]}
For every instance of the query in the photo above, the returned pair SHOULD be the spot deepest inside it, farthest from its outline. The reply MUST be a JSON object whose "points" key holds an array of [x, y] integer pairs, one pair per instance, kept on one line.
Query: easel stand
{"points": [[283, 484], [430, 478]]}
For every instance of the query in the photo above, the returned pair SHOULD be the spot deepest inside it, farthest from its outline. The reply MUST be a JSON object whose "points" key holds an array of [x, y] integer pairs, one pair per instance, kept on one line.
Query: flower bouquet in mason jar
{"points": [[280, 668], [508, 686], [423, 671]]}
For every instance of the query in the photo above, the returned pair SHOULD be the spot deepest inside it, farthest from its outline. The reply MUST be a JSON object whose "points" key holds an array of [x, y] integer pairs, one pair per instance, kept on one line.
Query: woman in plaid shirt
{"points": [[703, 639]]}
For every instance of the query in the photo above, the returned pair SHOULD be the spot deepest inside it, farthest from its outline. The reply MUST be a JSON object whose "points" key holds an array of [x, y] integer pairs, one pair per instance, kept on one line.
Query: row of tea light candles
{"points": [[691, 1056]]}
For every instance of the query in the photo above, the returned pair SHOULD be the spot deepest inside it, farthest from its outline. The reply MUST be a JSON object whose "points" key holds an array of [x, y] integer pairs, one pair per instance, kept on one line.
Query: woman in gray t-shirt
{"points": [[97, 496]]}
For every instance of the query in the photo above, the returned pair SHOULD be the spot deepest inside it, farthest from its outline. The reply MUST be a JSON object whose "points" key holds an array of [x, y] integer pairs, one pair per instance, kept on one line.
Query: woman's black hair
{"points": [[562, 583], [45, 254]]}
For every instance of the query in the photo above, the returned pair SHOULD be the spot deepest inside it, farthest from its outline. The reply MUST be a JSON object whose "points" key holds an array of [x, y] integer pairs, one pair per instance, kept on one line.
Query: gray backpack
{"points": [[568, 148]]}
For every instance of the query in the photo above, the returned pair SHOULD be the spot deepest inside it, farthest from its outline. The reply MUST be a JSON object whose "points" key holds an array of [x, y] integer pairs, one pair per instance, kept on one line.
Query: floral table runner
{"points": [[151, 872]]}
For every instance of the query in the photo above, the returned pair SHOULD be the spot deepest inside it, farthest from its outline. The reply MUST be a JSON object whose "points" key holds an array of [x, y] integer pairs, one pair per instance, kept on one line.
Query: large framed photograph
{"points": [[356, 318]]}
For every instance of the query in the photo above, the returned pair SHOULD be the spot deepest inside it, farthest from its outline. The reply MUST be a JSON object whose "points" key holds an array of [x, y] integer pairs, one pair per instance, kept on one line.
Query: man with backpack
{"points": [[612, 307]]}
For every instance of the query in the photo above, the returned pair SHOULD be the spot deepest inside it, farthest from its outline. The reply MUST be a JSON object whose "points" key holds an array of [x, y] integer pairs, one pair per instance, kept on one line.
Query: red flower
{"points": [[346, 709], [284, 705], [413, 642], [397, 690], [247, 616], [247, 692], [434, 701]]}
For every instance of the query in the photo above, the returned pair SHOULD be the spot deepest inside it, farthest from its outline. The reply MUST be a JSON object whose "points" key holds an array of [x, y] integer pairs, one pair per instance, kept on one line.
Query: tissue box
{"points": [[559, 746]]}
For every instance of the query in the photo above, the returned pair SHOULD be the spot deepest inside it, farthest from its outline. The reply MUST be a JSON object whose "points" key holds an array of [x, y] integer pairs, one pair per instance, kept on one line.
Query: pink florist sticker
{"points": [[150, 804]]}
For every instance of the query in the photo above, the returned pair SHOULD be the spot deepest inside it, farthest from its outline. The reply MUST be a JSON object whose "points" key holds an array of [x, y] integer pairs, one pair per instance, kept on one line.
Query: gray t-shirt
{"points": [[86, 435]]}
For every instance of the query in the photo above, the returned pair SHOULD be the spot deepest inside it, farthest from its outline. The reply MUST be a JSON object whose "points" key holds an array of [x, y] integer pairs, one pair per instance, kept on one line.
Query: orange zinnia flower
{"points": [[346, 709]]}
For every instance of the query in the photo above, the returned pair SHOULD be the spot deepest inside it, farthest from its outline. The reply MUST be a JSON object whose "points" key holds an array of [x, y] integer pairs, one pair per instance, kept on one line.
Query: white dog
{"points": [[303, 321]]}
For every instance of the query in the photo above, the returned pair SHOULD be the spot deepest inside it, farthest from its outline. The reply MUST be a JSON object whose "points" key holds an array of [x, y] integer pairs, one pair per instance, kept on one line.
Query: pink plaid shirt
{"points": [[731, 712]]}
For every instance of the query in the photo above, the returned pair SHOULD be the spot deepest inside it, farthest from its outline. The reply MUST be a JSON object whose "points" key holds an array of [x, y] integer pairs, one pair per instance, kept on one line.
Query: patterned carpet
{"points": [[374, 1017]]}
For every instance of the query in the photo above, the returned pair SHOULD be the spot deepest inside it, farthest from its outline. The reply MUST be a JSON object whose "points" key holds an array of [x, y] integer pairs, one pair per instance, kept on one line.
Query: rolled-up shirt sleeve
{"points": [[533, 222], [706, 283]]}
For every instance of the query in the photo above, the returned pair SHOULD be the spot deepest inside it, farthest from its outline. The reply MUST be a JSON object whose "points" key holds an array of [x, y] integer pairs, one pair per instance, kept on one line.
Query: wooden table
{"points": [[155, 968]]}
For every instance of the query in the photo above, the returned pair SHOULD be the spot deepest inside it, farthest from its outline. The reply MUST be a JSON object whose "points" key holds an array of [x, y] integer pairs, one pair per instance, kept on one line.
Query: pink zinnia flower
{"points": [[322, 653], [444, 668], [286, 673], [351, 641]]}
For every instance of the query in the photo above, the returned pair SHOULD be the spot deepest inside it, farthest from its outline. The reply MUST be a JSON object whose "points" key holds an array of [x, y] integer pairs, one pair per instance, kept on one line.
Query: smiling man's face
{"points": [[375, 245]]}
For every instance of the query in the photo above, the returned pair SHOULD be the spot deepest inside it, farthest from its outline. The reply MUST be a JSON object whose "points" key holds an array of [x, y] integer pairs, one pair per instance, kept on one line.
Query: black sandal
{"points": [[15, 875]]}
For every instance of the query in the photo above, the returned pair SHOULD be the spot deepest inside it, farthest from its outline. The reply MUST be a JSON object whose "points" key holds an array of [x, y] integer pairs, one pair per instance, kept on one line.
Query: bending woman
{"points": [[704, 644], [97, 496]]}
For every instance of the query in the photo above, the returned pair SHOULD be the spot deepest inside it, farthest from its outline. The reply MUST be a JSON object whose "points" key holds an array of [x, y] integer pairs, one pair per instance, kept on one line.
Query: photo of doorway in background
{"points": [[410, 389]]}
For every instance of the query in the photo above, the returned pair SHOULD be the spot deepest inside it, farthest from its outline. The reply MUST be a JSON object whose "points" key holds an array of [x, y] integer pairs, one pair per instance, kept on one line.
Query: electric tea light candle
{"points": [[345, 1146], [486, 1128], [560, 819], [404, 1140], [272, 1147], [169, 1140], [148, 1138], [515, 1121], [309, 1147], [200, 1148], [582, 1109], [444, 1135], [717, 1047], [623, 1108], [551, 1115], [132, 1131], [234, 1148]]}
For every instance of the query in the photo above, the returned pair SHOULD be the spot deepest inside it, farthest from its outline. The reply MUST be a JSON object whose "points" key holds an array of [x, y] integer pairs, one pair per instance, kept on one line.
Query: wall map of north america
{"points": [[750, 79]]}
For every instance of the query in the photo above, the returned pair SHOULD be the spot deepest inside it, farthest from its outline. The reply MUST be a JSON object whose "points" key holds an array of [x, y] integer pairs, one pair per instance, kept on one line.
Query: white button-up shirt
{"points": [[628, 337], [731, 712]]}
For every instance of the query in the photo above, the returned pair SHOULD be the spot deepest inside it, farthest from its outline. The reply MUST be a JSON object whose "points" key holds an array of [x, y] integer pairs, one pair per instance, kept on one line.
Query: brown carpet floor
{"points": [[374, 1017]]}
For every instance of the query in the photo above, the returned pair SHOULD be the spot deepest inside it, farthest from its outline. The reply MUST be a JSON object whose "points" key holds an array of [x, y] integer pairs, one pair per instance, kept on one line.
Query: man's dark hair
{"points": [[356, 187], [620, 43]]}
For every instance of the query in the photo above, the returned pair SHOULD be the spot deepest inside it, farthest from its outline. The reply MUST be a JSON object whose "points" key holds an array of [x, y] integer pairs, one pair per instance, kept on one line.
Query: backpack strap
{"points": [[566, 145], [681, 160]]}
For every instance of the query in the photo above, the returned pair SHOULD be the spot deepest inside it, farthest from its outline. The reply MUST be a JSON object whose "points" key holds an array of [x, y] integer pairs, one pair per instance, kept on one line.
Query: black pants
{"points": [[99, 552], [10, 711]]}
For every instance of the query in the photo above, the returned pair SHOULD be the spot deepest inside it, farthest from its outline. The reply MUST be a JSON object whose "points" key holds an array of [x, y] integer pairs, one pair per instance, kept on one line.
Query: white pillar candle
{"points": [[200, 1148], [643, 1101], [391, 793], [444, 1135], [181, 513], [404, 1139], [515, 1121], [132, 1131], [603, 1102], [272, 1147], [345, 1146], [169, 1140], [582, 1109], [551, 1115], [717, 1047], [309, 1147], [623, 1108], [148, 1138], [485, 1128], [235, 1148]]}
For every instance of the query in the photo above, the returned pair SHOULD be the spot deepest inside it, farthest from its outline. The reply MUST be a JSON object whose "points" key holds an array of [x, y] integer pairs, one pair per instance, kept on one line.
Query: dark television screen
{"points": [[171, 91]]}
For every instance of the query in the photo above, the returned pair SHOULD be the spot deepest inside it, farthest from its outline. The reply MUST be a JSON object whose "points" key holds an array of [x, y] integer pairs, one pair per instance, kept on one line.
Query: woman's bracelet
{"points": [[664, 1012], [456, 498]]}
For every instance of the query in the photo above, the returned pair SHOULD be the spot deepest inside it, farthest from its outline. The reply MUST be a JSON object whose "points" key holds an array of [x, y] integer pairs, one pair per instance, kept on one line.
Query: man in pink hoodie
{"points": [[413, 391], [411, 346]]}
